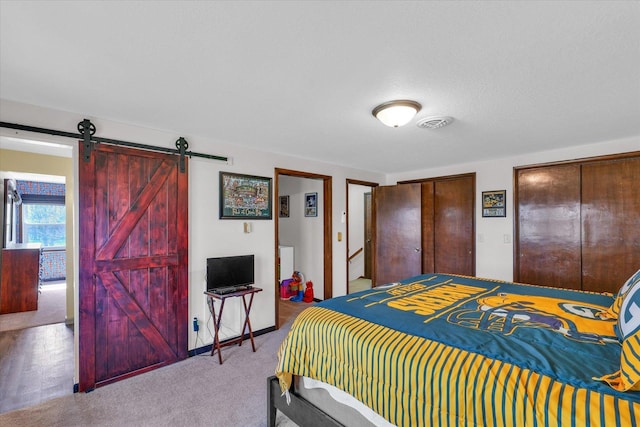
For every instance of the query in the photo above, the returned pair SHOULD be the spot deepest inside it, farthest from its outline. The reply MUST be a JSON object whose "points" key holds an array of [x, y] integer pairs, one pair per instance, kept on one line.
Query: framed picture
{"points": [[244, 196], [284, 207], [494, 203], [310, 204]]}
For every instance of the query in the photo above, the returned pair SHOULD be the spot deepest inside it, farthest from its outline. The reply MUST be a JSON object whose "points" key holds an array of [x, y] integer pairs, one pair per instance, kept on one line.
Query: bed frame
{"points": [[300, 410]]}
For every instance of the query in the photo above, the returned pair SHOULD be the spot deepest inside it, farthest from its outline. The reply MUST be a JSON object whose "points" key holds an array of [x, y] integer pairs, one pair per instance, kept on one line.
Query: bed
{"points": [[451, 350]]}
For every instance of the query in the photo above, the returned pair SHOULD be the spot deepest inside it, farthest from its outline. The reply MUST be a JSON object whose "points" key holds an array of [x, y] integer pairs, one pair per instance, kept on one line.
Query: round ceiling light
{"points": [[396, 113], [434, 122]]}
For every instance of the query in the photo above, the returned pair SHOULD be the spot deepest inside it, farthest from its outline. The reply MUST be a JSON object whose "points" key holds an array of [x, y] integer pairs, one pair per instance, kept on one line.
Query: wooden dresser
{"points": [[20, 278]]}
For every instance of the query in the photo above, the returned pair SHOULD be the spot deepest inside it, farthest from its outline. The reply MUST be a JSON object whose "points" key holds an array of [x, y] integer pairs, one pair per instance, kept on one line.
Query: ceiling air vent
{"points": [[434, 122]]}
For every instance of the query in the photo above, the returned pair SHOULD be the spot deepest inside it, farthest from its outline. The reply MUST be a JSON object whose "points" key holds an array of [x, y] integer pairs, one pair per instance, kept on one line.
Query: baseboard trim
{"points": [[207, 348]]}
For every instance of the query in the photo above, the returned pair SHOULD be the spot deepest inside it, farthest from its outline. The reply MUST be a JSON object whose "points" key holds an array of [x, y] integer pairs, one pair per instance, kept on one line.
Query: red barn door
{"points": [[133, 263]]}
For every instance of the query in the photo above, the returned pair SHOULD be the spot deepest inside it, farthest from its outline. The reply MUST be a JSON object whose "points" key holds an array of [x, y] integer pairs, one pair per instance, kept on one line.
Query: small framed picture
{"points": [[494, 203], [284, 207], [310, 204]]}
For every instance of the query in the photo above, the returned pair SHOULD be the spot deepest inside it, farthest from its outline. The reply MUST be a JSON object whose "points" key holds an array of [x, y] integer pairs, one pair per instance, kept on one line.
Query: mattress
{"points": [[342, 406]]}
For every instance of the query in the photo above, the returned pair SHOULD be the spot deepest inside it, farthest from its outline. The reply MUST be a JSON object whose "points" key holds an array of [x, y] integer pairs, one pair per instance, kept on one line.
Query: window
{"points": [[44, 223]]}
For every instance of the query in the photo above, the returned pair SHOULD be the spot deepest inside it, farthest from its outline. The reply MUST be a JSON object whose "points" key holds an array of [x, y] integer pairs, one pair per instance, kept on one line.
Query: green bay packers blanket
{"points": [[459, 351]]}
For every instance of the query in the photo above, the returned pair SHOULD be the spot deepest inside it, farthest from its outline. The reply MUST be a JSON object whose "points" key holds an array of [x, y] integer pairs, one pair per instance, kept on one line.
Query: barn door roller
{"points": [[182, 145], [87, 129]]}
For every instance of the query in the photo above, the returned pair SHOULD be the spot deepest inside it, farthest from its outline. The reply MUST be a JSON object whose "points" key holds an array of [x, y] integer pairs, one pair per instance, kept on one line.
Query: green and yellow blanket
{"points": [[460, 351]]}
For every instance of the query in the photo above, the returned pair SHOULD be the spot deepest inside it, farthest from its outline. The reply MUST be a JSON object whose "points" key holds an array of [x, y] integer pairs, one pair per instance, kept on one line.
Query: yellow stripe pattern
{"points": [[412, 381]]}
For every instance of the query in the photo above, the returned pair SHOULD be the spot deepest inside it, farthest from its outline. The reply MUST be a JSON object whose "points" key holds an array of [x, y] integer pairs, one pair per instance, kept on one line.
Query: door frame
{"points": [[327, 227], [372, 185]]}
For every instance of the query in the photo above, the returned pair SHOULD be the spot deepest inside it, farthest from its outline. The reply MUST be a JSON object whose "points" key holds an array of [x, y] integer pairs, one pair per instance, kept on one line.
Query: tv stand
{"points": [[251, 291]]}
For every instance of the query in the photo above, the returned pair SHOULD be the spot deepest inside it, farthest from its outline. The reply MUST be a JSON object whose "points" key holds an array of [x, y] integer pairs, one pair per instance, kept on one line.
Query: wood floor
{"points": [[36, 364], [288, 310]]}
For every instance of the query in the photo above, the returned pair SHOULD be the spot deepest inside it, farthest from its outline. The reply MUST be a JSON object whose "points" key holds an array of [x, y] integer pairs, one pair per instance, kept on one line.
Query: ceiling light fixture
{"points": [[396, 113]]}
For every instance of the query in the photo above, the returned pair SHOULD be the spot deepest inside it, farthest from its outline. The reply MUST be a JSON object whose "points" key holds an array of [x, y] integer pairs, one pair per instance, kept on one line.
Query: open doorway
{"points": [[302, 236], [34, 254], [359, 234], [37, 345]]}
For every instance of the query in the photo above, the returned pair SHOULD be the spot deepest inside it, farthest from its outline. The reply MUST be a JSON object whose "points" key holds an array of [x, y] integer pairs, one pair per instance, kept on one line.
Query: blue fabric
{"points": [[552, 331]]}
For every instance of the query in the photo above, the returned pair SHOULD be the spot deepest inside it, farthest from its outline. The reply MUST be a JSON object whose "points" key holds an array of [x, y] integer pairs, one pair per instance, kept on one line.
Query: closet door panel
{"points": [[397, 230], [610, 223], [548, 236], [454, 226], [428, 238]]}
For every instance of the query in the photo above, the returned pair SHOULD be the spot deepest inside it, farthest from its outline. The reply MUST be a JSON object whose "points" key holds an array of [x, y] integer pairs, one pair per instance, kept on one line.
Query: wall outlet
{"points": [[196, 327]]}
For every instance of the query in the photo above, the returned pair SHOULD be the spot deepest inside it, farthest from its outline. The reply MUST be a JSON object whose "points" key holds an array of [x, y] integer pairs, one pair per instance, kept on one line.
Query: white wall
{"points": [[494, 236], [208, 235], [305, 234]]}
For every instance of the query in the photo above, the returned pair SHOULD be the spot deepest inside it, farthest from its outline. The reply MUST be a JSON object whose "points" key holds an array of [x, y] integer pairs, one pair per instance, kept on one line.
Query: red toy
{"points": [[308, 292]]}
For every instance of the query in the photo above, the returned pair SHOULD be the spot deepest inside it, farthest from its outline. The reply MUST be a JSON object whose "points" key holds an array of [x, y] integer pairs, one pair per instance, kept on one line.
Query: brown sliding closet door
{"points": [[610, 223], [453, 249], [549, 226], [425, 226], [428, 227], [578, 223]]}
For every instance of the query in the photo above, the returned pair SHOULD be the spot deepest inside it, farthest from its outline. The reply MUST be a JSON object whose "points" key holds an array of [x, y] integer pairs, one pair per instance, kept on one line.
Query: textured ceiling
{"points": [[301, 78]]}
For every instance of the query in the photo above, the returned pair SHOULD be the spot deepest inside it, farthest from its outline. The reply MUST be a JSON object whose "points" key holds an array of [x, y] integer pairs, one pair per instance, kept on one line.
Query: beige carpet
{"points": [[195, 392], [359, 284], [51, 309]]}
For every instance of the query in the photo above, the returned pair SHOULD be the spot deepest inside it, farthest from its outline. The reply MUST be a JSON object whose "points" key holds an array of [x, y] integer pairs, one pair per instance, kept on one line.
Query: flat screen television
{"points": [[229, 271]]}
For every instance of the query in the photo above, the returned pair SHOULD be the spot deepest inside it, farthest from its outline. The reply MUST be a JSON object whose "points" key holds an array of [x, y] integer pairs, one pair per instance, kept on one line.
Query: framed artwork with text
{"points": [[245, 196], [494, 203]]}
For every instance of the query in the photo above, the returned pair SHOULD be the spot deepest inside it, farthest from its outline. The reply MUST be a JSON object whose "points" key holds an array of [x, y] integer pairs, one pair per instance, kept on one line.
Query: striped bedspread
{"points": [[460, 351]]}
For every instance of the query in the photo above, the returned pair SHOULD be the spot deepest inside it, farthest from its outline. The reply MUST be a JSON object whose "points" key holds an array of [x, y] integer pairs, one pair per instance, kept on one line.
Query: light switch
{"points": [[339, 236], [507, 238]]}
